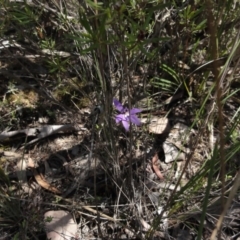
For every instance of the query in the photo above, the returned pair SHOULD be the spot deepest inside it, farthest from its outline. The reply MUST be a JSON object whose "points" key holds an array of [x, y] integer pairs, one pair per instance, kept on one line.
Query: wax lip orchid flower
{"points": [[126, 116]]}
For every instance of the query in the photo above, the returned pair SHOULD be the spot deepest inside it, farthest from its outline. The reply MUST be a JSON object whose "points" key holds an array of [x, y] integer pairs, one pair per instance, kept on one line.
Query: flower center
{"points": [[126, 114]]}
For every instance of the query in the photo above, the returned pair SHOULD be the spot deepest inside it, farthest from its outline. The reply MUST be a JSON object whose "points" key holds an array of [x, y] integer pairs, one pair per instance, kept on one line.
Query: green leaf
{"points": [[3, 177], [171, 72], [201, 25]]}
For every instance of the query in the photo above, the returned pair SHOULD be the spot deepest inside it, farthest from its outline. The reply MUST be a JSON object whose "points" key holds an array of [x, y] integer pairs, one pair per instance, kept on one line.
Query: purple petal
{"points": [[134, 119], [120, 117], [118, 105], [126, 125], [135, 110]]}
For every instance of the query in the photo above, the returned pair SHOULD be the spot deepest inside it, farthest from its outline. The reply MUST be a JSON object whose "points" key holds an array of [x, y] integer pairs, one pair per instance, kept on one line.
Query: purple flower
{"points": [[125, 115]]}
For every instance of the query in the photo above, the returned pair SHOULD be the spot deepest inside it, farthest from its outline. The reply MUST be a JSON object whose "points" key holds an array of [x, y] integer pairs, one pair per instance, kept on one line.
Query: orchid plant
{"points": [[126, 116]]}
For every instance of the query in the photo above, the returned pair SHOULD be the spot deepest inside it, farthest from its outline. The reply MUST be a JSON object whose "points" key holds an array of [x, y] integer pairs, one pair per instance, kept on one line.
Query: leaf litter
{"points": [[76, 169], [175, 148]]}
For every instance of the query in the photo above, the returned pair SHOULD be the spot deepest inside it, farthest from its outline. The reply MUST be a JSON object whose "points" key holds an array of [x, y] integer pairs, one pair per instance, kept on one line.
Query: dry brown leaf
{"points": [[155, 167], [43, 182], [11, 154], [41, 179], [145, 225], [159, 125], [21, 170]]}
